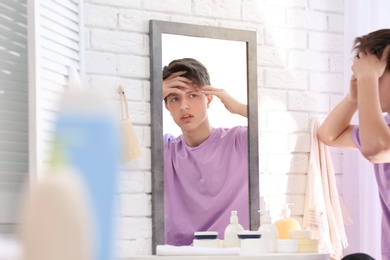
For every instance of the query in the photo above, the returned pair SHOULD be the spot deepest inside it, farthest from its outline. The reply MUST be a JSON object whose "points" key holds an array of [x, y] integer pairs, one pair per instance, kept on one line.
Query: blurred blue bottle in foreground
{"points": [[89, 136]]}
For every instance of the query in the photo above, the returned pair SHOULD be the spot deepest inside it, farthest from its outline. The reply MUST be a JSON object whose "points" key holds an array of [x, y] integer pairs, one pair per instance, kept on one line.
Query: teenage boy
{"points": [[369, 95], [205, 168]]}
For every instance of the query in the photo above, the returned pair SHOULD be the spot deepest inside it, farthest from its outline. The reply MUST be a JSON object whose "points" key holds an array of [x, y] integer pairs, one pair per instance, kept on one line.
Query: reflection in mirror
{"points": [[231, 76], [246, 71]]}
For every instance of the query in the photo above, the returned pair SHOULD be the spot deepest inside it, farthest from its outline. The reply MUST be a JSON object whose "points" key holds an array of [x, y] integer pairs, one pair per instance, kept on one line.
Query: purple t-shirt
{"points": [[204, 184], [382, 175]]}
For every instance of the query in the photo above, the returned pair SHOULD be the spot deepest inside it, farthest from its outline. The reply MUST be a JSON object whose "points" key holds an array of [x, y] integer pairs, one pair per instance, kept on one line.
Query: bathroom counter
{"points": [[275, 256]]}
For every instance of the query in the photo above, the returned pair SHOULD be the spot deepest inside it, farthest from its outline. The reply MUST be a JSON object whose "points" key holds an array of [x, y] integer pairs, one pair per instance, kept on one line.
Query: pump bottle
{"points": [[286, 223], [268, 230], [231, 238]]}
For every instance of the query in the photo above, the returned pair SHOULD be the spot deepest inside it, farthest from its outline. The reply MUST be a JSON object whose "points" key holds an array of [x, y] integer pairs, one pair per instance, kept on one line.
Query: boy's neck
{"points": [[197, 136]]}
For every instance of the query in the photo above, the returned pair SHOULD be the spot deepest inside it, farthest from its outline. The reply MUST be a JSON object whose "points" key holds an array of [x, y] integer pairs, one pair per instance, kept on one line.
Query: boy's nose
{"points": [[184, 105]]}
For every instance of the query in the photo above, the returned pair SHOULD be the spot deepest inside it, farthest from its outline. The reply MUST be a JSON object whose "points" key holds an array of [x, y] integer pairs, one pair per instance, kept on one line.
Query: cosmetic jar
{"points": [[286, 246], [252, 244], [206, 239], [305, 243]]}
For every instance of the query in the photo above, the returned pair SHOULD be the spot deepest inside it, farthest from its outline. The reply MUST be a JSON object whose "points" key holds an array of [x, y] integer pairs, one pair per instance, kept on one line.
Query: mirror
{"points": [[160, 31]]}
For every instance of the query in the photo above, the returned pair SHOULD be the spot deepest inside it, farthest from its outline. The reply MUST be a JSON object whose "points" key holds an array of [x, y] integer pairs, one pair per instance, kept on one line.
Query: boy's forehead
{"points": [[189, 88]]}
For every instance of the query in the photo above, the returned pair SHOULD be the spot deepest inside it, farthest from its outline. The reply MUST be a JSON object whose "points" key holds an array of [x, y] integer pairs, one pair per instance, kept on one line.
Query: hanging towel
{"points": [[324, 213]]}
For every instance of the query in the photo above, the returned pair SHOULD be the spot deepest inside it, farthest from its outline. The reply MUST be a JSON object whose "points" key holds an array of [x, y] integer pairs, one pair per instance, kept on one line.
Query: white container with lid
{"points": [[252, 244], [206, 239], [287, 246]]}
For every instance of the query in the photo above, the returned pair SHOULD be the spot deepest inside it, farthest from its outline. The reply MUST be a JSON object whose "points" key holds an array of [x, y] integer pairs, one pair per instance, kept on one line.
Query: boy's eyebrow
{"points": [[191, 91]]}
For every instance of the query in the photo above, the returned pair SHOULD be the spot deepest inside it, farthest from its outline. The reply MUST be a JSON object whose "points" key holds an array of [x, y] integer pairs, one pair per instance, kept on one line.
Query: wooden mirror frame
{"points": [[157, 28]]}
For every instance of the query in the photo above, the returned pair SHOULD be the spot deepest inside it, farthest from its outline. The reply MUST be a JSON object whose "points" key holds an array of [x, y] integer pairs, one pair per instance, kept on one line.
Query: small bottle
{"points": [[268, 230], [230, 236], [286, 223]]}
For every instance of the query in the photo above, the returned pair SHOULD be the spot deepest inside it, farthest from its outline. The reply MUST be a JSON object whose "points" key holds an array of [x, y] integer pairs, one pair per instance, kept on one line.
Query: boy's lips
{"points": [[186, 117]]}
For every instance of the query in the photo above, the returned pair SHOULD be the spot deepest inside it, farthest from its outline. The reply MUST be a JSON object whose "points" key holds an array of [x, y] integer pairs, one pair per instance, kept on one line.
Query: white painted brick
{"points": [[134, 205], [267, 14], [308, 60], [146, 136], [326, 82], [221, 8], [100, 16], [126, 248], [272, 57], [308, 101], [306, 18], [286, 79], [285, 3], [251, 11], [169, 6], [273, 142], [120, 42], [100, 63], [131, 182], [260, 77], [336, 23], [299, 142], [133, 228], [142, 163], [269, 190], [296, 184], [148, 182], [284, 163], [133, 20], [299, 163], [327, 42], [298, 204], [133, 66], [146, 91], [276, 204], [134, 89], [286, 38], [139, 112], [330, 5], [272, 100], [119, 3], [200, 20], [336, 63], [287, 121]]}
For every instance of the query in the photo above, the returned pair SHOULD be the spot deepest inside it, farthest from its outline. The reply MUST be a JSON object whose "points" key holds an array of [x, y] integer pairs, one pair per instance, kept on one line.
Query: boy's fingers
{"points": [[386, 52]]}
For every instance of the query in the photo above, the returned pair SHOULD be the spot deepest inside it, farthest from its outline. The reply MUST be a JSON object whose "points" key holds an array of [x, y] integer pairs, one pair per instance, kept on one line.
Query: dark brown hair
{"points": [[374, 42], [196, 71]]}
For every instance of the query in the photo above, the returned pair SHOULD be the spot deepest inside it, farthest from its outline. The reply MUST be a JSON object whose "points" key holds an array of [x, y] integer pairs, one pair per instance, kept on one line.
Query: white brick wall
{"points": [[300, 50]]}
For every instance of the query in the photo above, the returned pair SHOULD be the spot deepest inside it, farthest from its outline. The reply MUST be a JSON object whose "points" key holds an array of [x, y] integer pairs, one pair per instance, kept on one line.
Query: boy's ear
{"points": [[209, 99], [166, 105]]}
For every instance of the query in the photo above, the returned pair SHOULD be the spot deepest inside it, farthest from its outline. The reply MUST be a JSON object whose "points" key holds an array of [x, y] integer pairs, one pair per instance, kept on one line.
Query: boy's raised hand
{"points": [[368, 64], [231, 104], [175, 84]]}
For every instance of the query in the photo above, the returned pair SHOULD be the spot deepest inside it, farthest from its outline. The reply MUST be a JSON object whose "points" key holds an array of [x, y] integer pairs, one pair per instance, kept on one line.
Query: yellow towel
{"points": [[324, 211]]}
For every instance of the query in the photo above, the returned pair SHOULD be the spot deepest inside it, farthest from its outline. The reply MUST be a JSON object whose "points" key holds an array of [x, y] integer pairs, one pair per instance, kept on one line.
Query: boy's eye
{"points": [[174, 99], [192, 95]]}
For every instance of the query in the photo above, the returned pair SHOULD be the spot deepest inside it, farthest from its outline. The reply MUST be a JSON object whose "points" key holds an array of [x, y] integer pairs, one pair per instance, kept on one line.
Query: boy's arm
{"points": [[374, 131], [231, 104], [336, 129]]}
